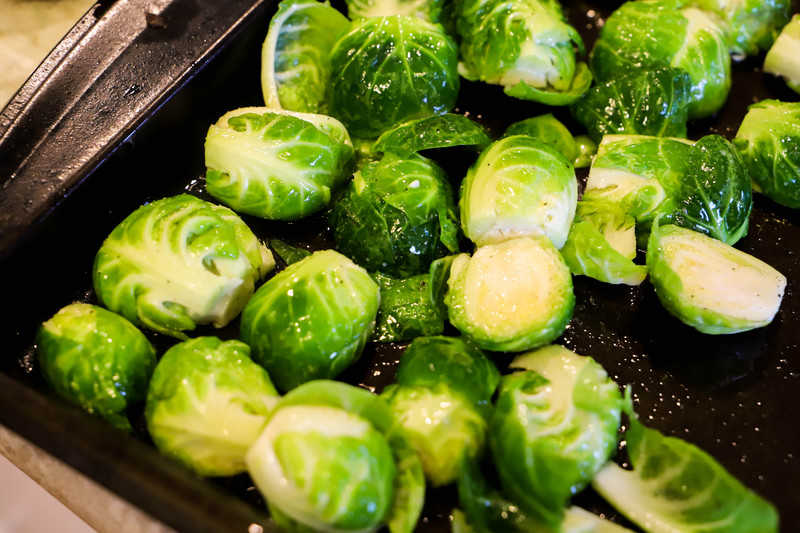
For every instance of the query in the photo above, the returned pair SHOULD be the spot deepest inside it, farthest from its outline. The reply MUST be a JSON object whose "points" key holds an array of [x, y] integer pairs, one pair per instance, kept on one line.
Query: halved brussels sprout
{"points": [[207, 404], [661, 33], [676, 486], [643, 102], [709, 285], [440, 403], [276, 164], [769, 143], [754, 24], [396, 216], [518, 186], [407, 309], [295, 61], [524, 45], [602, 244], [432, 132], [549, 130], [391, 69], [429, 10], [783, 58], [554, 426], [312, 319], [177, 263], [325, 463], [511, 296], [95, 359]]}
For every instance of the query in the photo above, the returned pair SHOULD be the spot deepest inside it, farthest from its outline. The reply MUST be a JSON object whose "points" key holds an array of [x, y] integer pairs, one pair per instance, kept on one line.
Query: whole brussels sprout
{"points": [[324, 462], [660, 33], [95, 359], [440, 403], [207, 404], [783, 58], [524, 45], [710, 285], [518, 186], [391, 69], [429, 10], [511, 296], [769, 143], [276, 164], [312, 319], [396, 216], [554, 426], [179, 262], [754, 24]]}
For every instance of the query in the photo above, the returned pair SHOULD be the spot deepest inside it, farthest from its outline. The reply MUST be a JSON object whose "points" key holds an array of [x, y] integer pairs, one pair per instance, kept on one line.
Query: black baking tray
{"points": [[89, 139]]}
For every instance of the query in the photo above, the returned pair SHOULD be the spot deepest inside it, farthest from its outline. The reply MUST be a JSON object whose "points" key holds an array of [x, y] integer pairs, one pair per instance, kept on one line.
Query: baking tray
{"points": [[735, 396]]}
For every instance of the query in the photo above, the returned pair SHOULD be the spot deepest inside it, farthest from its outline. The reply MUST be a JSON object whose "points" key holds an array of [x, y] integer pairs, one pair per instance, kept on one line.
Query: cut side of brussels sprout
{"points": [[179, 262], [769, 143], [524, 45], [429, 10], [710, 285], [275, 164], [675, 486], [396, 216], [295, 62], [442, 131], [511, 296], [518, 186], [754, 24], [312, 319], [207, 404], [783, 59], [387, 70], [554, 426], [96, 359]]}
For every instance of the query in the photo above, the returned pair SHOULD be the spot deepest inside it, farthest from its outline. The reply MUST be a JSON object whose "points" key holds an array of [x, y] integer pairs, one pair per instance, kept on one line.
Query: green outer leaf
{"points": [[391, 69], [586, 150], [581, 82], [547, 129], [290, 254], [407, 310], [428, 10], [276, 164], [782, 58], [312, 319], [438, 275], [95, 359], [442, 131], [151, 265], [675, 486], [769, 142], [754, 23], [207, 404], [644, 102], [295, 61], [409, 488], [403, 209], [681, 298]]}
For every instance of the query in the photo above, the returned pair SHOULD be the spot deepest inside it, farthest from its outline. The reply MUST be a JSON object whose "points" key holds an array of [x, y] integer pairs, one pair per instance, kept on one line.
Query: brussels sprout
{"points": [[754, 23], [295, 62], [586, 150], [511, 296], [276, 164], [207, 404], [312, 319], [429, 10], [179, 262], [783, 59], [518, 186], [324, 463], [407, 309], [432, 132], [709, 285], [524, 45], [554, 426], [396, 216], [769, 143], [96, 360], [602, 244], [391, 69], [659, 33], [444, 388], [644, 102], [547, 129], [675, 486]]}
